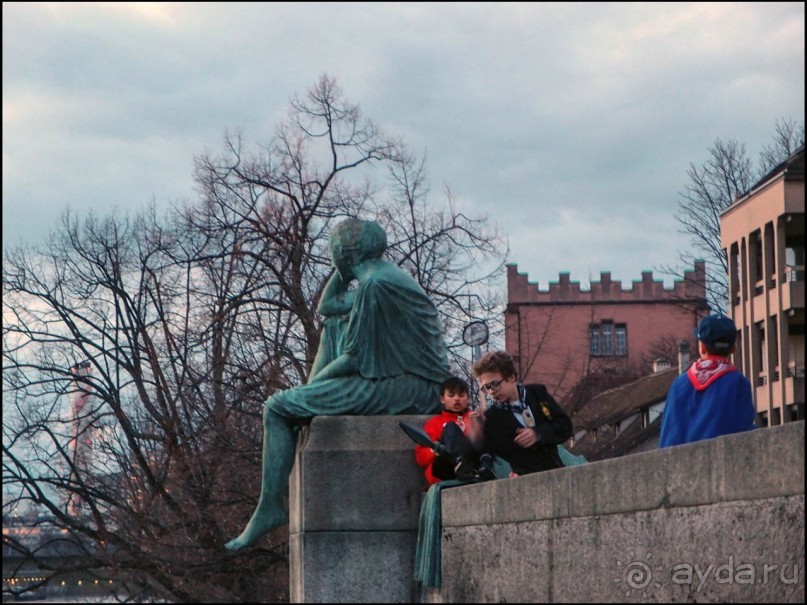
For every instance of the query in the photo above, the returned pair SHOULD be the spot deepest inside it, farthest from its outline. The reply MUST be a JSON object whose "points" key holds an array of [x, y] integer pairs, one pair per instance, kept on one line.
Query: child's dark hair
{"points": [[721, 348], [455, 384]]}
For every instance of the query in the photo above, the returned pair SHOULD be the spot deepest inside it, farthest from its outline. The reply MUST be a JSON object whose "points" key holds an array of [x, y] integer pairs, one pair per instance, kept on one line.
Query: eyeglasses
{"points": [[493, 385]]}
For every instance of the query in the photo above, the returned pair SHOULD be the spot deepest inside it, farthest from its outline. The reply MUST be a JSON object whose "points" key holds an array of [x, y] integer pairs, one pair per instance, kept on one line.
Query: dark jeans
{"points": [[458, 447]]}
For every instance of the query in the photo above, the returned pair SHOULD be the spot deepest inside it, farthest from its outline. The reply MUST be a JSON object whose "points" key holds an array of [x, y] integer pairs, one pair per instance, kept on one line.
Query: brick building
{"points": [[560, 335]]}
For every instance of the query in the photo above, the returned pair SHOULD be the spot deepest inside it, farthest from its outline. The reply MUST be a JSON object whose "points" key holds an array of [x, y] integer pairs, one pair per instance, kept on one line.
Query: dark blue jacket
{"points": [[706, 407]]}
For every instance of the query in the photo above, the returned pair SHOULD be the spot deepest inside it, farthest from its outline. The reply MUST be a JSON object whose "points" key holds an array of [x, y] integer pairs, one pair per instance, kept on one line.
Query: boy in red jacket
{"points": [[460, 461]]}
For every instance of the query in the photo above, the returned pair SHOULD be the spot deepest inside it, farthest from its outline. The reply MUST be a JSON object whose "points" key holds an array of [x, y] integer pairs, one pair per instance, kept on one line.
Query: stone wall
{"points": [[718, 520]]}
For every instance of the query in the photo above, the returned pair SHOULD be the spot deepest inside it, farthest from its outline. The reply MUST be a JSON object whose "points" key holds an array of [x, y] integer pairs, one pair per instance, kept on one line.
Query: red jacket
{"points": [[434, 428]]}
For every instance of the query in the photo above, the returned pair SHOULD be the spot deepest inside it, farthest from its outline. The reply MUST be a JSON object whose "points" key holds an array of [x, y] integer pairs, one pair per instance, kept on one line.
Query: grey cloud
{"points": [[524, 109]]}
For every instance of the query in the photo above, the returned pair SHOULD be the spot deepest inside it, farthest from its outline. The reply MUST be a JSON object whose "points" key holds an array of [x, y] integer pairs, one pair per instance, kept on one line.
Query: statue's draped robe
{"points": [[394, 333]]}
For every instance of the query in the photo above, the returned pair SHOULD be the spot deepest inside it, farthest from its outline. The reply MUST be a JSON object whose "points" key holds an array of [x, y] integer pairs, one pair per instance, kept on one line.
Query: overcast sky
{"points": [[571, 126]]}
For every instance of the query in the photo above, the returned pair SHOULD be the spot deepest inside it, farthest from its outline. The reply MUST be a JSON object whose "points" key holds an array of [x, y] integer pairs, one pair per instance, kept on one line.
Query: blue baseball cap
{"points": [[717, 331]]}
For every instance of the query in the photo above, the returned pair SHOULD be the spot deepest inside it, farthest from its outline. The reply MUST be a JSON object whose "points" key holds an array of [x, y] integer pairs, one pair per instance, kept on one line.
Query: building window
{"points": [[621, 343], [645, 417], [607, 329], [794, 261], [774, 348], [757, 247], [734, 263], [607, 339], [761, 353], [594, 347], [762, 419], [656, 410]]}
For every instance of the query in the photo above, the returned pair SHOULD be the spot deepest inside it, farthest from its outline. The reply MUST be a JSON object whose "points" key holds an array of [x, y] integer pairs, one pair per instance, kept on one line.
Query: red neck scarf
{"points": [[706, 370]]}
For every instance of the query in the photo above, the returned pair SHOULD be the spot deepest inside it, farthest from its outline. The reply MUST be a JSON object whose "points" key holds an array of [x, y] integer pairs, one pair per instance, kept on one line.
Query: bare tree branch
{"points": [[189, 323], [712, 188]]}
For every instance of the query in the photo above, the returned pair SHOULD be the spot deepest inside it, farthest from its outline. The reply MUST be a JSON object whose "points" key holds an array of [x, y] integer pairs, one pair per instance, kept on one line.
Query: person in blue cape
{"points": [[381, 352], [712, 398]]}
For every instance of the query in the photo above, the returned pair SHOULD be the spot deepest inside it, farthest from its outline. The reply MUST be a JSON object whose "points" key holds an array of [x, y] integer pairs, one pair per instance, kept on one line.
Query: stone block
{"points": [[763, 463], [674, 555], [354, 567], [497, 563], [354, 503], [748, 551], [355, 473]]}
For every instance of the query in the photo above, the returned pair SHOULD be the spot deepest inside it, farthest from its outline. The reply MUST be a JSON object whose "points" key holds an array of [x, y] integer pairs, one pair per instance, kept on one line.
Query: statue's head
{"points": [[353, 241]]}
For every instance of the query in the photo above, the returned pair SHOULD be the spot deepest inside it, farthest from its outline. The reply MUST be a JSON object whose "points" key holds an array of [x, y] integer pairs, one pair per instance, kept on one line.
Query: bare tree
{"points": [[712, 187], [144, 306], [293, 191], [456, 259], [787, 137], [666, 348], [188, 323]]}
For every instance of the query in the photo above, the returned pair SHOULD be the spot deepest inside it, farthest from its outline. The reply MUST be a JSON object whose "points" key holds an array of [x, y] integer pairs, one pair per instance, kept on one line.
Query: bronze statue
{"points": [[381, 352]]}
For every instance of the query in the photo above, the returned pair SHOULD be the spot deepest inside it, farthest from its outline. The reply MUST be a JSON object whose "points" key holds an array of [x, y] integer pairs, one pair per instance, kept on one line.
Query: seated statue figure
{"points": [[381, 352]]}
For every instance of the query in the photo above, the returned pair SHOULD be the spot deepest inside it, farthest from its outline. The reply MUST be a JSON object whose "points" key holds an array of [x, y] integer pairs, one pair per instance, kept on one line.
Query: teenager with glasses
{"points": [[523, 424]]}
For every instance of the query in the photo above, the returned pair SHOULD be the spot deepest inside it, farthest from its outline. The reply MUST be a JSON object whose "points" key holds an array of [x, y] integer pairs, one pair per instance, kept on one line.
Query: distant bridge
{"points": [[39, 559]]}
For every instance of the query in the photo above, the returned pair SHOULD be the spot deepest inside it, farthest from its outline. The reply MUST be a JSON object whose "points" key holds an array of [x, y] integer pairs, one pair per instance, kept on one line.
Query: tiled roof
{"points": [[607, 444], [607, 409], [618, 403]]}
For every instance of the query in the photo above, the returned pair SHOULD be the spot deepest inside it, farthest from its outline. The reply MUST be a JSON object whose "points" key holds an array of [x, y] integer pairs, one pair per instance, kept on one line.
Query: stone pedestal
{"points": [[354, 501]]}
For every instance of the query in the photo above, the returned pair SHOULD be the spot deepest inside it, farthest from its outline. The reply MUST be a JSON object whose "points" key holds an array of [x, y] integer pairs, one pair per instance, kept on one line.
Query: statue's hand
{"points": [[344, 365], [336, 299]]}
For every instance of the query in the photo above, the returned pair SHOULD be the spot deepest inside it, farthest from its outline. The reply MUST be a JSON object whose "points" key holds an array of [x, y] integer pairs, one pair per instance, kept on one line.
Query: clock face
{"points": [[475, 333]]}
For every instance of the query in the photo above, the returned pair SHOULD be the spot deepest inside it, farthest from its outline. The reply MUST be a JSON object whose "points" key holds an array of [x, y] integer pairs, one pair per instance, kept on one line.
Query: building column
{"points": [[771, 331], [783, 336]]}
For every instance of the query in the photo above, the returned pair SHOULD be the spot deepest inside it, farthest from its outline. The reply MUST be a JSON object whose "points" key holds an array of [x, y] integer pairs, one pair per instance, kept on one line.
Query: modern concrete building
{"points": [[762, 233], [559, 335]]}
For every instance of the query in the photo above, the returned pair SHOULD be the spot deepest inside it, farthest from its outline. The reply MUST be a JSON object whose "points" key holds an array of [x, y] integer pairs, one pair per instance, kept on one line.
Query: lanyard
{"points": [[527, 419]]}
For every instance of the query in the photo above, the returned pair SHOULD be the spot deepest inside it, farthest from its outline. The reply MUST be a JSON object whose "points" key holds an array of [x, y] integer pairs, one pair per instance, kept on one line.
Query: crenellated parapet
{"points": [[521, 290]]}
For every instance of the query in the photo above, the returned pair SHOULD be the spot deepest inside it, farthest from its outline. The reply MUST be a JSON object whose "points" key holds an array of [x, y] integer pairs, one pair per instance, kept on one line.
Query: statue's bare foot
{"points": [[261, 523]]}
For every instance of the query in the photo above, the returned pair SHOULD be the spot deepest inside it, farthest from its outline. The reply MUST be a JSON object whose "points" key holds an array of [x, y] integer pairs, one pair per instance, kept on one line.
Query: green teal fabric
{"points": [[393, 336], [430, 528], [428, 555], [570, 459], [501, 468], [394, 328]]}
